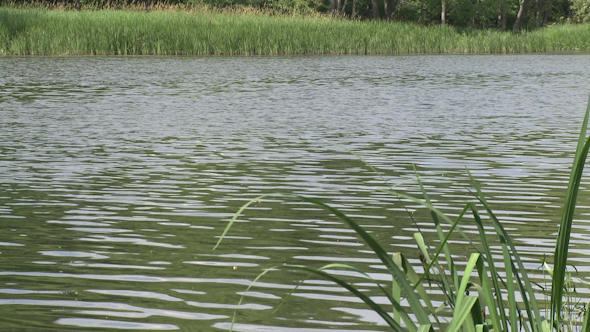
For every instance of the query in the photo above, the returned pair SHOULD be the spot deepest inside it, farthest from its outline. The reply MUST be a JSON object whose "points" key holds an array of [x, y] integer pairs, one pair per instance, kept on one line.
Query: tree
{"points": [[516, 27], [502, 15], [389, 8], [375, 5]]}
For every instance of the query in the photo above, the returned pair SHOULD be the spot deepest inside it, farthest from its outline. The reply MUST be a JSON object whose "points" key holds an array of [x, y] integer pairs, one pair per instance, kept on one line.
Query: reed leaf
{"points": [[396, 291], [374, 306], [510, 270], [442, 245], [478, 309], [563, 237], [465, 279], [425, 328], [486, 289], [586, 322], [396, 273], [499, 309], [461, 313], [395, 302], [481, 328], [260, 275], [237, 215], [464, 303], [414, 279], [443, 239], [431, 208], [525, 287]]}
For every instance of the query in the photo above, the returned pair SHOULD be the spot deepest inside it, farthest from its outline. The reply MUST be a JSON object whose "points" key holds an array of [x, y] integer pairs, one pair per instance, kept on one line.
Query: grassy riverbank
{"points": [[204, 32]]}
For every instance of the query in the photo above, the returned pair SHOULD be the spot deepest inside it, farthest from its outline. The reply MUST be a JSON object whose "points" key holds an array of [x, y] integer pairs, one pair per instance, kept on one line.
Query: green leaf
{"points": [[395, 302], [443, 239], [414, 279], [440, 248], [478, 308], [526, 290], [548, 268], [396, 292], [397, 274], [484, 278], [430, 207], [546, 328], [465, 280], [237, 215], [586, 323], [441, 307], [375, 307], [510, 270], [233, 319], [469, 325], [422, 246], [563, 238], [461, 313], [481, 328], [425, 328]]}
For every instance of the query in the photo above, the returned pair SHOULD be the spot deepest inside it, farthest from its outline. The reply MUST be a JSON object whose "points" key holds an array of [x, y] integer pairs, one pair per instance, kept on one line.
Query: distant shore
{"points": [[37, 31]]}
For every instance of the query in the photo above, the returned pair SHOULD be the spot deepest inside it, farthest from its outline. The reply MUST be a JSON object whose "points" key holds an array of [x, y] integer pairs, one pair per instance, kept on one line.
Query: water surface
{"points": [[117, 176]]}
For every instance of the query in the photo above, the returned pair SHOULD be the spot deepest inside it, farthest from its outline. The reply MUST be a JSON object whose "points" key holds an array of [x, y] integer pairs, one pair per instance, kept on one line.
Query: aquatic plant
{"points": [[495, 303], [36, 31]]}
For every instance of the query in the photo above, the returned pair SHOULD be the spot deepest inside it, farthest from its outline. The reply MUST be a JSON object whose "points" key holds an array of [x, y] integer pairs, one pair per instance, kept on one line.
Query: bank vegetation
{"points": [[246, 31]]}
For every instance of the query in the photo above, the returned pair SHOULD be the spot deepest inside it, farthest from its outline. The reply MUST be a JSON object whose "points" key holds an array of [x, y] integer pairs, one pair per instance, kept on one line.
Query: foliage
{"points": [[580, 10], [460, 13], [495, 303]]}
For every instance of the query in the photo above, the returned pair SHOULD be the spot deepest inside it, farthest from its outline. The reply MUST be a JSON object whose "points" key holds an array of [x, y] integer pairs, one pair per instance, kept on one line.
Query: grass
{"points": [[479, 298], [202, 31]]}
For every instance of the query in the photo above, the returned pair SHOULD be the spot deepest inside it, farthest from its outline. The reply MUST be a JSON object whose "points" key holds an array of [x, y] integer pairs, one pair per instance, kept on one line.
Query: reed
{"points": [[235, 31], [495, 303]]}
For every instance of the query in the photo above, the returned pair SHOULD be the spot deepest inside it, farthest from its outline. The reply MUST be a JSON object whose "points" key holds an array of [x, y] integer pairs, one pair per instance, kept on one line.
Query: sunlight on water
{"points": [[118, 176]]}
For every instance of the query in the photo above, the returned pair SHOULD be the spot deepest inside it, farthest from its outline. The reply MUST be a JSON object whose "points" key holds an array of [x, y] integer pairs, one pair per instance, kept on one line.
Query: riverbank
{"points": [[203, 32]]}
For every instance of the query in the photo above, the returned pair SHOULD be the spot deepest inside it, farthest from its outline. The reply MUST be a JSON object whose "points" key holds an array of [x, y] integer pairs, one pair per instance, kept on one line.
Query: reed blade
{"points": [[416, 280], [396, 291], [563, 238], [525, 287], [233, 319], [461, 313], [374, 306], [398, 275], [464, 303], [237, 215], [430, 207], [441, 247], [481, 328], [494, 308], [586, 322], [465, 279], [442, 238], [510, 271], [425, 328]]}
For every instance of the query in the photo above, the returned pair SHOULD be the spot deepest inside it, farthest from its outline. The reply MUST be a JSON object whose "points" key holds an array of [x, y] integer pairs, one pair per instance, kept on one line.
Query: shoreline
{"points": [[563, 53]]}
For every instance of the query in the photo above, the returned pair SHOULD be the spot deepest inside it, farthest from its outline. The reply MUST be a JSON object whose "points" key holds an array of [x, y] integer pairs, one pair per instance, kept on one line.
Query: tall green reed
{"points": [[37, 31], [497, 304]]}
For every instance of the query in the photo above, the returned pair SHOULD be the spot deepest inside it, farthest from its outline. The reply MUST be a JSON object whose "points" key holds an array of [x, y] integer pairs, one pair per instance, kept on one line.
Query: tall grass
{"points": [[37, 31], [495, 303]]}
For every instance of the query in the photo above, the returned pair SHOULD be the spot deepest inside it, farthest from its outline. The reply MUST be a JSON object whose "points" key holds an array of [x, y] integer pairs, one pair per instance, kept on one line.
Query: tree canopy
{"points": [[504, 15]]}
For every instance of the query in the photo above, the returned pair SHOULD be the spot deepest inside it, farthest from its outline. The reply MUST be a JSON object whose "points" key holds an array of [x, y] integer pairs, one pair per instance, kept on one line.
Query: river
{"points": [[119, 174]]}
